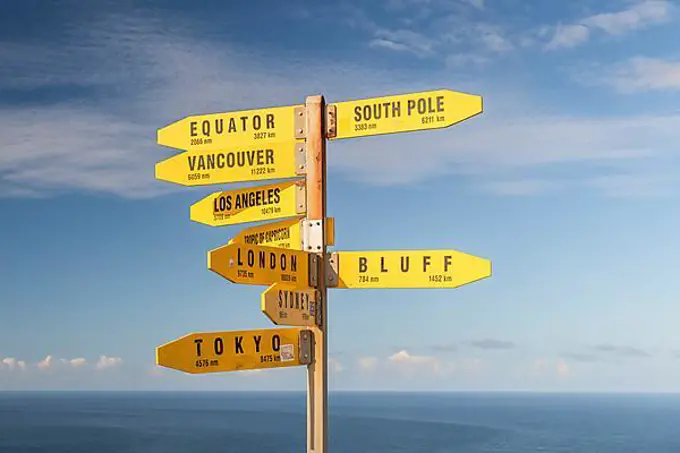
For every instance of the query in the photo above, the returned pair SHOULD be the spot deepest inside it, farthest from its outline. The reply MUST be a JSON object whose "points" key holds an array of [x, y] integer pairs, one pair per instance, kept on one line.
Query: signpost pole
{"points": [[317, 371]]}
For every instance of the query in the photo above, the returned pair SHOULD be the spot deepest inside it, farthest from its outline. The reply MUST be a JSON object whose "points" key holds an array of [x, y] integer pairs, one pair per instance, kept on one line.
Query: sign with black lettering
{"points": [[404, 113], [407, 269], [285, 234], [234, 164], [214, 352], [257, 265], [289, 306], [222, 130], [251, 204]]}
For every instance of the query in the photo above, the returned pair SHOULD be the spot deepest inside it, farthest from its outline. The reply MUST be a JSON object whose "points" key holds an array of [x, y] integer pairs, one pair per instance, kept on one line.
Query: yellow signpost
{"points": [[252, 204], [257, 265], [404, 113], [213, 352], [283, 234], [290, 256], [407, 269], [289, 306], [222, 130], [234, 164]]}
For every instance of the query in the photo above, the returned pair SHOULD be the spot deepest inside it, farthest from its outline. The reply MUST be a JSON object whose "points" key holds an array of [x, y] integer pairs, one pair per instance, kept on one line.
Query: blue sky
{"points": [[568, 182]]}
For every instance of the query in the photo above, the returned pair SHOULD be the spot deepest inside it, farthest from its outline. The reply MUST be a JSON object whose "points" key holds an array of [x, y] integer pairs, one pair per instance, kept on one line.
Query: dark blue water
{"points": [[359, 423]]}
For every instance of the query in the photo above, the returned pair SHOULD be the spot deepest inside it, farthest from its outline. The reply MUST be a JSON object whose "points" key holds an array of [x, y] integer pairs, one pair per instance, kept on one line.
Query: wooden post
{"points": [[317, 371]]}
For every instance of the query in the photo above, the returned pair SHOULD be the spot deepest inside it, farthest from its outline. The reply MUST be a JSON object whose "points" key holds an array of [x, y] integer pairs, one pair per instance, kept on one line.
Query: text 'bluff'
{"points": [[405, 263]]}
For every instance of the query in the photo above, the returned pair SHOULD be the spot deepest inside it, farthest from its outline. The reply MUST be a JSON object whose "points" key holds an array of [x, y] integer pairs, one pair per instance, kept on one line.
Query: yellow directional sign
{"points": [[234, 164], [251, 204], [404, 113], [407, 269], [248, 127], [256, 265], [289, 306], [283, 234], [213, 352]]}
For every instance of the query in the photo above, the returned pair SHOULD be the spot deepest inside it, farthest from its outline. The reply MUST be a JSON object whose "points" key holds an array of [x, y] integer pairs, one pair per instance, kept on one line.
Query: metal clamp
{"points": [[313, 270], [306, 347], [312, 235], [331, 121], [332, 267], [300, 196], [318, 314], [300, 122], [301, 158]]}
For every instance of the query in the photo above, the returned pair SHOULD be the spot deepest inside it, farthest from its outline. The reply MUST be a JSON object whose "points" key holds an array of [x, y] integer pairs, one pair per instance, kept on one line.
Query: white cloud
{"points": [[14, 364], [479, 4], [420, 364], [636, 185], [494, 41], [50, 362], [568, 36], [111, 149], [403, 41], [541, 368], [77, 362], [491, 148], [639, 15], [639, 74], [368, 363], [46, 363], [404, 357], [108, 362]]}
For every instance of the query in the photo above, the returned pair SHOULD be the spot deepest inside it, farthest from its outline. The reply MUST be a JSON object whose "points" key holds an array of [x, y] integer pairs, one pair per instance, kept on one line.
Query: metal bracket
{"points": [[332, 267], [312, 235], [301, 197], [313, 270], [318, 314], [306, 347], [300, 122], [331, 121], [301, 158]]}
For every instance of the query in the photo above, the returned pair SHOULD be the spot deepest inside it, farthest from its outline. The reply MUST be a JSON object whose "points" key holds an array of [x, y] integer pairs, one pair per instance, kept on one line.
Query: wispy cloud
{"points": [[408, 363], [490, 343], [541, 368], [403, 41], [568, 36], [367, 364], [581, 357], [621, 351], [52, 363], [635, 75], [110, 145], [78, 362], [640, 15], [497, 145], [108, 362], [12, 364]]}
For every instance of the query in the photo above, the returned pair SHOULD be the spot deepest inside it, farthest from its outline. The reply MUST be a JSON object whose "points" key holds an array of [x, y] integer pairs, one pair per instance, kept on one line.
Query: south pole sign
{"points": [[288, 253]]}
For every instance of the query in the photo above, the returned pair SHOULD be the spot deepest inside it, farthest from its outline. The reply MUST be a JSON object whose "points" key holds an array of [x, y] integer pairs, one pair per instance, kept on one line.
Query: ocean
{"points": [[204, 422]]}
